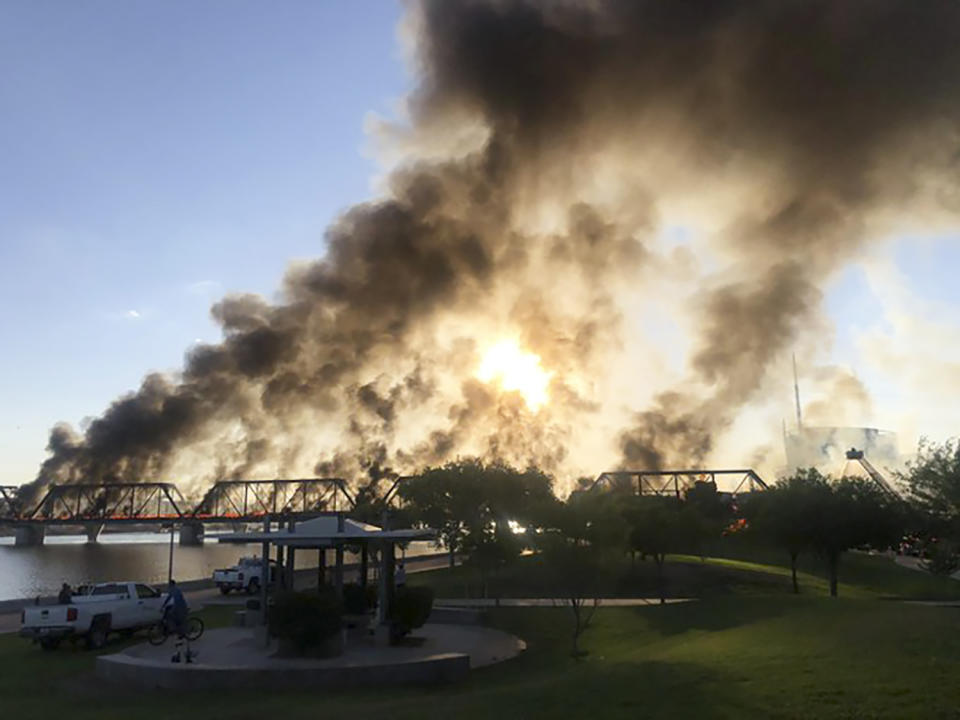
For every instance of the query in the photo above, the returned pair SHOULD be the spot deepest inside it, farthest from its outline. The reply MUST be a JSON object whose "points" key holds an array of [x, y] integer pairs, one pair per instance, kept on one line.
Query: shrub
{"points": [[410, 609], [941, 558], [305, 619], [358, 600]]}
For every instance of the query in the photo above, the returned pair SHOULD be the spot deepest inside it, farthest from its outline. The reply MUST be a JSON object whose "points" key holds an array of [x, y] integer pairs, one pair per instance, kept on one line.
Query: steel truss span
{"points": [[153, 502], [239, 500], [109, 502], [9, 505], [677, 482]]}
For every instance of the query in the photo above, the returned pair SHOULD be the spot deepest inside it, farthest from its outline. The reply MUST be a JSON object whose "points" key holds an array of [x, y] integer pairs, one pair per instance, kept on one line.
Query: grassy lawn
{"points": [[741, 570], [753, 651], [875, 574]]}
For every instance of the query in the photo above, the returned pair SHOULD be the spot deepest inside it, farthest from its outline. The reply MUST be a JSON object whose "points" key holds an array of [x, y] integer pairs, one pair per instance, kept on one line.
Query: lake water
{"points": [[26, 572]]}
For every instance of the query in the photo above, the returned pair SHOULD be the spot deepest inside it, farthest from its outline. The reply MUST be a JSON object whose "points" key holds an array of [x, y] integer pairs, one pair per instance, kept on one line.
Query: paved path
{"points": [[237, 658], [550, 602], [237, 647], [914, 563]]}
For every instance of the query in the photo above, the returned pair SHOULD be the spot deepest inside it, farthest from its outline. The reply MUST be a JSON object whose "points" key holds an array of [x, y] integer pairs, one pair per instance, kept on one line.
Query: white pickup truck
{"points": [[246, 575], [93, 614]]}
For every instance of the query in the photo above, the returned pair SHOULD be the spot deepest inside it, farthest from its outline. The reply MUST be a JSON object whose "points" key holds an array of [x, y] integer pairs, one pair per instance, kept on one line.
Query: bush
{"points": [[305, 619], [410, 609], [358, 600], [941, 558]]}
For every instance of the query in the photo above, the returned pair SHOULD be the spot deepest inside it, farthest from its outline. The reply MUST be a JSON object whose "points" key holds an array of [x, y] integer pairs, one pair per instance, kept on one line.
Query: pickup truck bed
{"points": [[92, 616], [246, 575]]}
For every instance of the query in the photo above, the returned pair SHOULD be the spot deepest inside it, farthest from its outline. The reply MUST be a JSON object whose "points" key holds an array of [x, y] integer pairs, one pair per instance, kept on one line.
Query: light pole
{"points": [[170, 560]]}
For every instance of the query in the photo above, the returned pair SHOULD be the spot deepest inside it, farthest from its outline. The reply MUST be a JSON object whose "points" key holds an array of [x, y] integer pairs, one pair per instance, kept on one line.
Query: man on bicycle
{"points": [[178, 609]]}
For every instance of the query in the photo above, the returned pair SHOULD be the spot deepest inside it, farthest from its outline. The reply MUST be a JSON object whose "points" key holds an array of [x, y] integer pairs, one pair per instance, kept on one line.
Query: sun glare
{"points": [[516, 371]]}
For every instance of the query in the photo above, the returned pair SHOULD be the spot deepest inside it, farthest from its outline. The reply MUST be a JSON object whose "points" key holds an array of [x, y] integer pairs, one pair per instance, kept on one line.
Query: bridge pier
{"points": [[93, 531], [191, 534], [29, 535]]}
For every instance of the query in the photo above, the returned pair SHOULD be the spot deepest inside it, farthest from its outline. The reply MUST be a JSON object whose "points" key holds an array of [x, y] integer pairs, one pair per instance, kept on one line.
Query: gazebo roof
{"points": [[327, 531]]}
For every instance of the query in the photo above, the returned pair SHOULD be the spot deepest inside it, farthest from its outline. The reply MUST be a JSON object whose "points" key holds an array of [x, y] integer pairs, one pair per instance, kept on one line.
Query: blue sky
{"points": [[154, 156]]}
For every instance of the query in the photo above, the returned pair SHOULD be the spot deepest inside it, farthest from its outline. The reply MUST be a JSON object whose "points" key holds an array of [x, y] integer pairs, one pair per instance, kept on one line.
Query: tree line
{"points": [[488, 514]]}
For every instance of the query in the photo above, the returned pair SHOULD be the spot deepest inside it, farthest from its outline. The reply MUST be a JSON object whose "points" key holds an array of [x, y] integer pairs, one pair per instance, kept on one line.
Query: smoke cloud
{"points": [[549, 144]]}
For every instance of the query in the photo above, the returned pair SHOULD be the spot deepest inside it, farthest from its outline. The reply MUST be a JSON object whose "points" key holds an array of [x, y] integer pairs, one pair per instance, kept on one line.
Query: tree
{"points": [[850, 513], [593, 518], [479, 508], [933, 479], [661, 525], [449, 499], [491, 549], [786, 514], [941, 557], [809, 511], [575, 572], [585, 531], [703, 496], [709, 514], [933, 482], [369, 502]]}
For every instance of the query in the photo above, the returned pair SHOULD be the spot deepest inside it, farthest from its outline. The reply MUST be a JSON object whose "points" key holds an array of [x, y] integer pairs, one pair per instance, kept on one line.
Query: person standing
{"points": [[178, 608], [65, 597]]}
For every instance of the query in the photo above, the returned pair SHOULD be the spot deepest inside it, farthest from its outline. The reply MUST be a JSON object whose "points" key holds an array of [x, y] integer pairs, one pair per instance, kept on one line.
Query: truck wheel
{"points": [[97, 637], [253, 587], [224, 590], [50, 644]]}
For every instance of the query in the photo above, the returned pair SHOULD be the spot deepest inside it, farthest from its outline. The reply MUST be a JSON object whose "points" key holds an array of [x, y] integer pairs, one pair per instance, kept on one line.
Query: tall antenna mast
{"points": [[796, 394]]}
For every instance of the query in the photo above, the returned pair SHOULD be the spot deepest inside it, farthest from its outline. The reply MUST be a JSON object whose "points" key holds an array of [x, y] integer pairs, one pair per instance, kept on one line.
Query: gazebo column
{"points": [[265, 576], [291, 567], [321, 567], [281, 569], [385, 594], [364, 564], [382, 588], [291, 555], [338, 573], [391, 567]]}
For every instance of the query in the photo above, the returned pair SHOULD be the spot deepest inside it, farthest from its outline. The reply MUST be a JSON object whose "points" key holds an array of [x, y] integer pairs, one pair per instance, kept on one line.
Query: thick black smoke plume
{"points": [[547, 141]]}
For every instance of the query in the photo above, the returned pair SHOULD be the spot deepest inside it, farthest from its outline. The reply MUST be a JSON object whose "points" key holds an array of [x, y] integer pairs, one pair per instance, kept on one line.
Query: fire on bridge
{"points": [[238, 501]]}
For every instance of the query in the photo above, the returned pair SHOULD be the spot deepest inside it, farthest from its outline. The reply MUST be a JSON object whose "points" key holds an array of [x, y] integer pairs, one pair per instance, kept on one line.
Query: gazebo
{"points": [[334, 531]]}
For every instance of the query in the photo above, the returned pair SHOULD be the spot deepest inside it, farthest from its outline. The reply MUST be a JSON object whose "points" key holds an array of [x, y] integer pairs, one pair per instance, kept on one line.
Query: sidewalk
{"points": [[913, 563], [550, 602]]}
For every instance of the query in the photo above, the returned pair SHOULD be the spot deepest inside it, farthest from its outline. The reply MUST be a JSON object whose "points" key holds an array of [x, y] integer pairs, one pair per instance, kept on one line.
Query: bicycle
{"points": [[159, 632]]}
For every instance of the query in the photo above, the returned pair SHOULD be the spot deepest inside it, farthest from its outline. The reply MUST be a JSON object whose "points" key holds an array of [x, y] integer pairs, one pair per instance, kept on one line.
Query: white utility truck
{"points": [[93, 614], [246, 575]]}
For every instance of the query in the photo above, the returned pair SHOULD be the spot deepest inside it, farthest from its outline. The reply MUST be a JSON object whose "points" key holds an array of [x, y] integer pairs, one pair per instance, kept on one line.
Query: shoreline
{"points": [[413, 563]]}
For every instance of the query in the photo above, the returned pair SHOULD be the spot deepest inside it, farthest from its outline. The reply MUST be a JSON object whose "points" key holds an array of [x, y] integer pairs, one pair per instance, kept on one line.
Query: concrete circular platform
{"points": [[234, 658]]}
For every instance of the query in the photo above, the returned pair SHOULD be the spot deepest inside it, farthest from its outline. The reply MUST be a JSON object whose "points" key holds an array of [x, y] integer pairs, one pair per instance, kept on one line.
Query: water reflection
{"points": [[30, 571]]}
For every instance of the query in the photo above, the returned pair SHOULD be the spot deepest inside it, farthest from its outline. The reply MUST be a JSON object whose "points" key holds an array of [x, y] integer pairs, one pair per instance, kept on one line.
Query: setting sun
{"points": [[516, 371]]}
